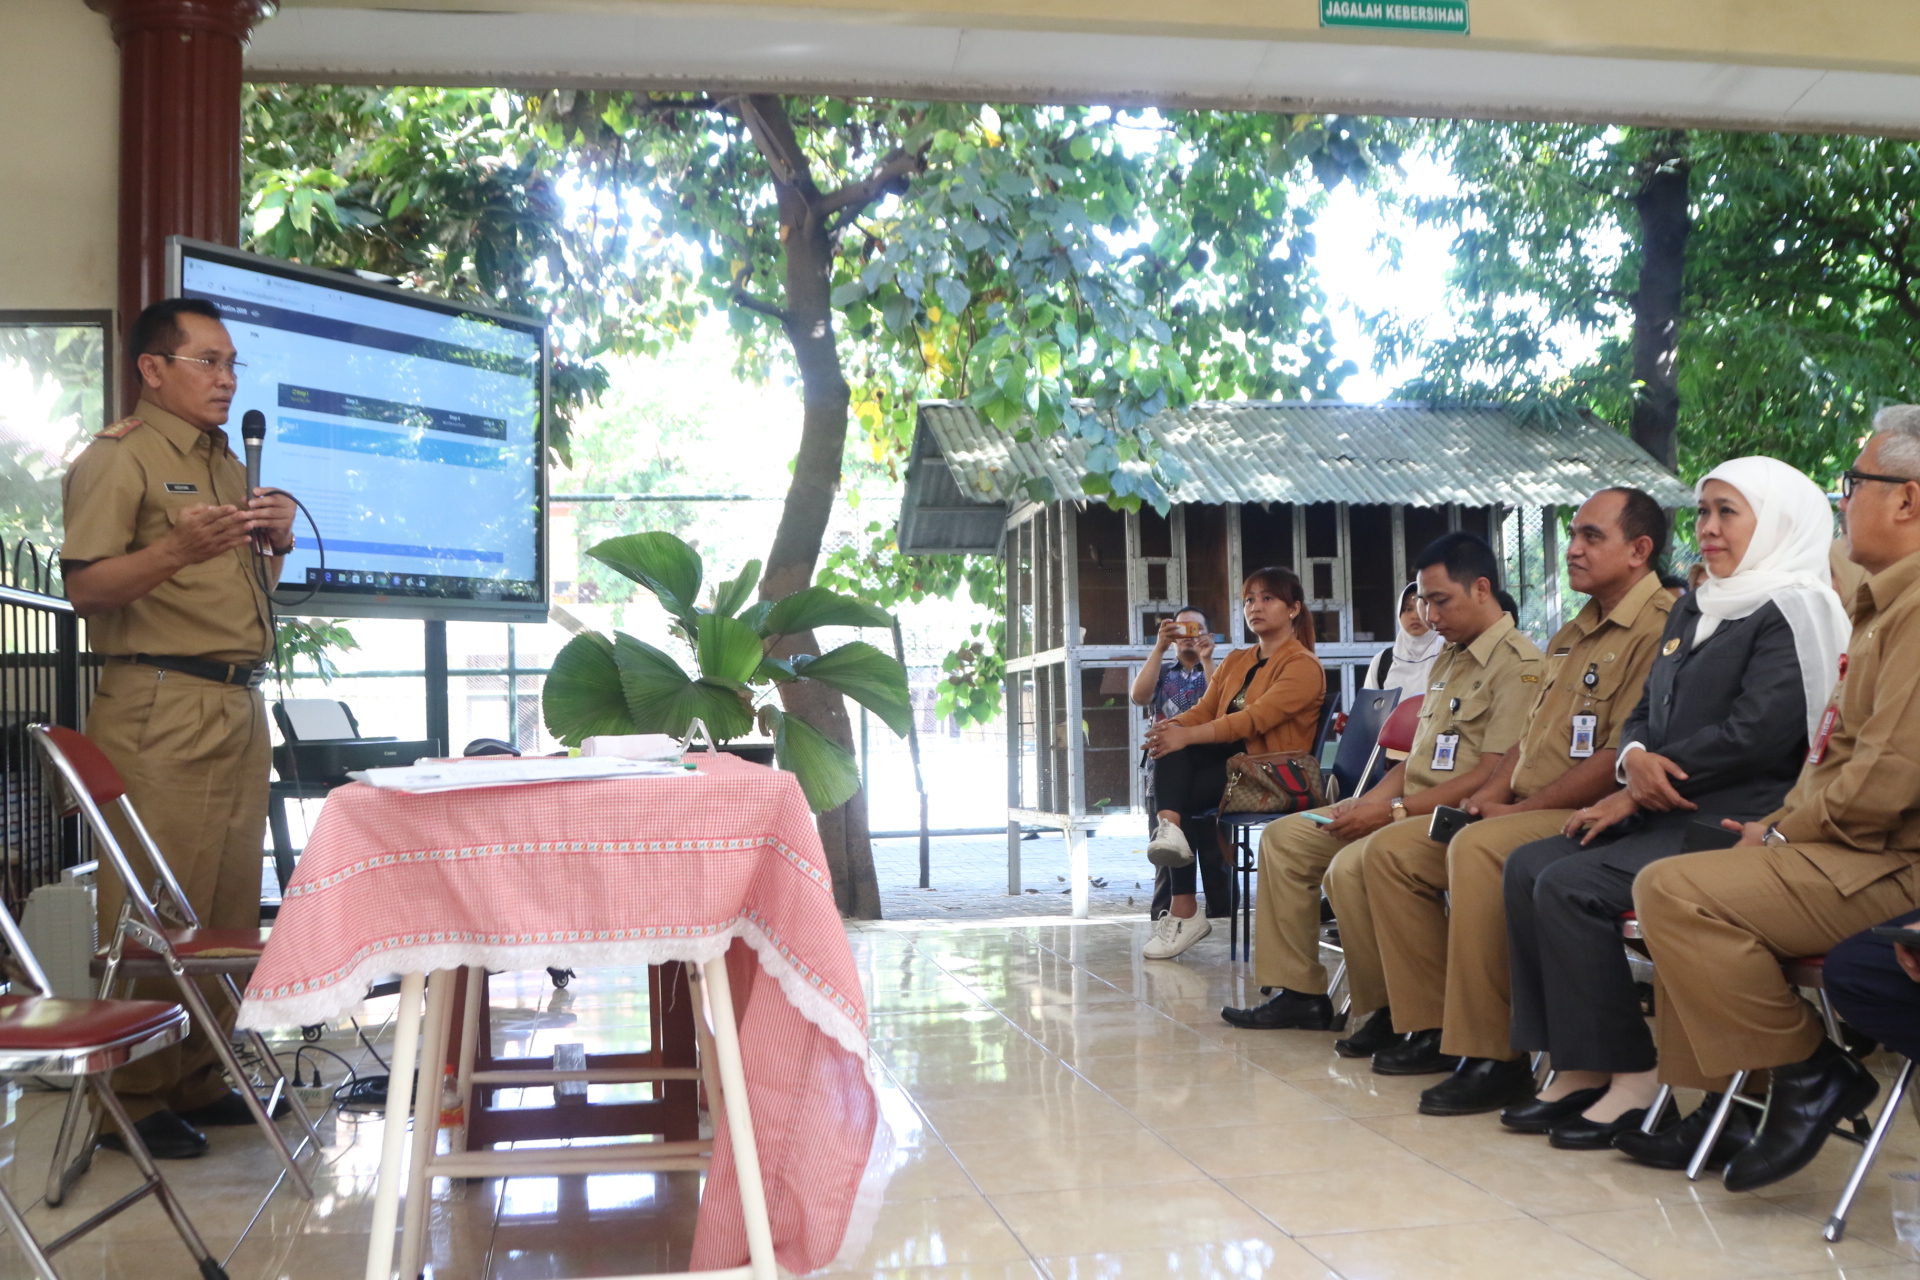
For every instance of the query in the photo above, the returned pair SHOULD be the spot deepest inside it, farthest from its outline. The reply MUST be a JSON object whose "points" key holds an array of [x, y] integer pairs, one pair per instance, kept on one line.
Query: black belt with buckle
{"points": [[245, 674]]}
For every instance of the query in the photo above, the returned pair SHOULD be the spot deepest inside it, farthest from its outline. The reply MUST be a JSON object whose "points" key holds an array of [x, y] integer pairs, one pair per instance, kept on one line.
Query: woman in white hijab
{"points": [[1743, 672], [1415, 646]]}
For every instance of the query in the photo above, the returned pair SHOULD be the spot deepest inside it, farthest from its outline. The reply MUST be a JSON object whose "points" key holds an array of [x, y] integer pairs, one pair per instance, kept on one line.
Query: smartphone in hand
{"points": [[1895, 934], [1324, 819], [1702, 836], [1448, 822]]}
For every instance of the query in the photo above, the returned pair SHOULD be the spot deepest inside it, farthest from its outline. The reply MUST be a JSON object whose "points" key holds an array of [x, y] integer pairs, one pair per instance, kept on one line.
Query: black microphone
{"points": [[253, 431]]}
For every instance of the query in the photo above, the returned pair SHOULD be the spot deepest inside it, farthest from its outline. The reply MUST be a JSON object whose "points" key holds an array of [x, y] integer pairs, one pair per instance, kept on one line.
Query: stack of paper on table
{"points": [[497, 771]]}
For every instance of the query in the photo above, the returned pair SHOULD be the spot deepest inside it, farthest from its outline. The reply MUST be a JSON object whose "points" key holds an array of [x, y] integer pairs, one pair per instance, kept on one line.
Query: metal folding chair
{"points": [[144, 946], [87, 1039]]}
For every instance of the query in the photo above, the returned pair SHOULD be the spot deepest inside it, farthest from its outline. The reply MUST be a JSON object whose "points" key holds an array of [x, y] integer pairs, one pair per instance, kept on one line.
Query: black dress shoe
{"points": [[1539, 1116], [1418, 1055], [1287, 1010], [1378, 1034], [166, 1136], [1807, 1099], [1582, 1134], [228, 1110], [1673, 1147], [1479, 1085]]}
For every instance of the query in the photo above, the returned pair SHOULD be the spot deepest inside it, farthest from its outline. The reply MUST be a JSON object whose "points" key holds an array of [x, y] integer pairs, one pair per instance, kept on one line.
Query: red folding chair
{"points": [[144, 946], [87, 1039]]}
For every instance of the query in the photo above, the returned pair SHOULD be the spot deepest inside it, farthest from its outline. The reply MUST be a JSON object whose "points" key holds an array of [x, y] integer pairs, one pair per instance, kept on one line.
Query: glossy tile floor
{"points": [[1061, 1109]]}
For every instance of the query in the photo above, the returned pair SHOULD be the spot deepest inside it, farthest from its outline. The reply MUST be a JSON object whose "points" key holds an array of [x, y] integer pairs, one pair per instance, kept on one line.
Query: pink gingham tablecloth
{"points": [[618, 873]]}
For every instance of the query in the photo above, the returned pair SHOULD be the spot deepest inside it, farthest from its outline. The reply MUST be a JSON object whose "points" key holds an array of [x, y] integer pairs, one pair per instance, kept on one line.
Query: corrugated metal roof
{"points": [[1326, 451]]}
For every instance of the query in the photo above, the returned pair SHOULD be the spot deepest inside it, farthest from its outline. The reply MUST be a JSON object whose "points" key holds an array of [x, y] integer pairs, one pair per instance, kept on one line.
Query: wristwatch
{"points": [[1773, 835], [287, 550], [1399, 809]]}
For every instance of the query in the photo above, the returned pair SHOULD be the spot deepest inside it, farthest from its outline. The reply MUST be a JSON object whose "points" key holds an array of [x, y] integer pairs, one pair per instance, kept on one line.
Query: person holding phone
{"points": [[1445, 958], [1475, 708], [1166, 689], [1840, 854], [1720, 732], [1262, 699]]}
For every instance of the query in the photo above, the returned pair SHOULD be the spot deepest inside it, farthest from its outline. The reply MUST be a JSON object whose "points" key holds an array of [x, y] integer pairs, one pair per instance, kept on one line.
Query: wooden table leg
{"points": [[746, 1152], [426, 1118], [386, 1189]]}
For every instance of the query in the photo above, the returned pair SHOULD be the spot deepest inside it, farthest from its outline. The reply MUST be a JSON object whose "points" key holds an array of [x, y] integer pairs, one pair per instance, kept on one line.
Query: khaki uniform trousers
{"points": [[1719, 924], [194, 755], [1296, 855], [1446, 966]]}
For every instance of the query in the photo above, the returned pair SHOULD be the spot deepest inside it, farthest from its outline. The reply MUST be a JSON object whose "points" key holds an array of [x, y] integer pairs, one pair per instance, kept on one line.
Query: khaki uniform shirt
{"points": [[1595, 667], [1480, 693], [124, 492], [1862, 797]]}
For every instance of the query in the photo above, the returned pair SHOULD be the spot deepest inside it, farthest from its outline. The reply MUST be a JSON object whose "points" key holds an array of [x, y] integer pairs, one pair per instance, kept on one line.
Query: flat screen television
{"points": [[413, 428]]}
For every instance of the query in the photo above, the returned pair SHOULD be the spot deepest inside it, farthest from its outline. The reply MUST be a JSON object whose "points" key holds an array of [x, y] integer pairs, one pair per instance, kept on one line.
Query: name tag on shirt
{"points": [[1445, 747], [182, 488], [1584, 728]]}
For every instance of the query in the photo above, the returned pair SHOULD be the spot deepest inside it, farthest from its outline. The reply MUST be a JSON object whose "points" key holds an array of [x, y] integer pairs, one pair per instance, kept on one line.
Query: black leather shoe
{"points": [[1673, 1147], [1479, 1085], [1539, 1116], [166, 1135], [1287, 1010], [228, 1110], [1378, 1034], [1582, 1134], [1807, 1099], [1418, 1055]]}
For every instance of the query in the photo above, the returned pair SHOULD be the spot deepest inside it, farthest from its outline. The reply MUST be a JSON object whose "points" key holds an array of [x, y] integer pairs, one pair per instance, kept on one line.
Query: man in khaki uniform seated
{"points": [[157, 560], [1840, 855], [1476, 705], [1446, 966]]}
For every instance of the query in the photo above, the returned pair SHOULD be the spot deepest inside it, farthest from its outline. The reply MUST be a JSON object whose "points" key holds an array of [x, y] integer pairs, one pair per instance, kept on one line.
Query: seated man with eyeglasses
{"points": [[160, 558]]}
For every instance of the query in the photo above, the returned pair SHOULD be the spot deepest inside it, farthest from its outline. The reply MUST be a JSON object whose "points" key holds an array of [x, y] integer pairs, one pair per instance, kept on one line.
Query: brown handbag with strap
{"points": [[1280, 782]]}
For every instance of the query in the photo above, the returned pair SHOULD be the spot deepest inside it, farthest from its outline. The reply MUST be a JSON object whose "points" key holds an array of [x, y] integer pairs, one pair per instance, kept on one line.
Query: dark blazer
{"points": [[1732, 713]]}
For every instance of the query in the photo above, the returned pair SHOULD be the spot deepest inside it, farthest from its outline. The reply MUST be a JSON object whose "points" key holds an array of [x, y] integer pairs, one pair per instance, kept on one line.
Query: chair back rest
{"points": [[1371, 707], [1397, 733], [1328, 710], [65, 750], [16, 942]]}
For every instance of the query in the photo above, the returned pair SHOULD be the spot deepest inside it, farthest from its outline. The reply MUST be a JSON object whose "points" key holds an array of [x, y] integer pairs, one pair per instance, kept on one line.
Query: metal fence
{"points": [[44, 676]]}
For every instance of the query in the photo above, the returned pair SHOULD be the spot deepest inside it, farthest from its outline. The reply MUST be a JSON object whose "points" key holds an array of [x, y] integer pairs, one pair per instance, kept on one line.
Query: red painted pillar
{"points": [[179, 130]]}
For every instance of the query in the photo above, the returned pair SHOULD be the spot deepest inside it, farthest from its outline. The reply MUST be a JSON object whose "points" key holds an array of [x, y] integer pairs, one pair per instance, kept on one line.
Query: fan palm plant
{"points": [[624, 685]]}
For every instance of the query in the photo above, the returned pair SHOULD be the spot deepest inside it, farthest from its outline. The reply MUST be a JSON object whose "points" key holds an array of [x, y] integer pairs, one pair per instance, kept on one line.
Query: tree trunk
{"points": [[1661, 203], [808, 321]]}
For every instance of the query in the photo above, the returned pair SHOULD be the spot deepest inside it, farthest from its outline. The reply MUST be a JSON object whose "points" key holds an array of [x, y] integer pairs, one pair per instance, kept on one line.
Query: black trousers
{"points": [[1573, 992], [1187, 782], [1872, 992]]}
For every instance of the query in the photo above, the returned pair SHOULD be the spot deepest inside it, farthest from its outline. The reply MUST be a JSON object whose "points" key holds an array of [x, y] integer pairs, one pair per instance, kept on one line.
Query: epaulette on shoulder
{"points": [[119, 429]]}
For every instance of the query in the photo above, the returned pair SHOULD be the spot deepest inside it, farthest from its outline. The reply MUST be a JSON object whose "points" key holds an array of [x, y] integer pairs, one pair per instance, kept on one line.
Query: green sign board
{"points": [[1449, 16]]}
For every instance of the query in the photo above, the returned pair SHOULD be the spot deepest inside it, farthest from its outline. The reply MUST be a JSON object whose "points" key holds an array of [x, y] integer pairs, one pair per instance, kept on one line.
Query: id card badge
{"points": [[1584, 727], [1445, 747]]}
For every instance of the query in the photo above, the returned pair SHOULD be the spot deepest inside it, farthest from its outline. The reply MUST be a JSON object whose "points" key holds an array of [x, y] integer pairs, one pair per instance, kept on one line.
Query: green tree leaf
{"points": [[661, 563], [729, 650], [873, 679], [582, 695], [661, 697], [816, 606], [731, 594], [828, 776]]}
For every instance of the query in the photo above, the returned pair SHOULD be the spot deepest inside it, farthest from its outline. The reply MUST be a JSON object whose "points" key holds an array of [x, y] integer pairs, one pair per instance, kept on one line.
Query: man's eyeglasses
{"points": [[1849, 480], [229, 366]]}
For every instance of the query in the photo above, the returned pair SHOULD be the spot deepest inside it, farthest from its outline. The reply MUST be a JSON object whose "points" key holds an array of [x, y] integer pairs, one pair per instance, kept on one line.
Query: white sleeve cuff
{"points": [[1620, 761]]}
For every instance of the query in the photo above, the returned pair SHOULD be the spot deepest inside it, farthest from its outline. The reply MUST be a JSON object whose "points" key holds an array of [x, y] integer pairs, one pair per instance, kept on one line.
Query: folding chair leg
{"points": [[1830, 1018], [73, 1146], [1728, 1101], [196, 1002], [209, 1268], [1837, 1224], [1658, 1109], [36, 1257], [283, 1086]]}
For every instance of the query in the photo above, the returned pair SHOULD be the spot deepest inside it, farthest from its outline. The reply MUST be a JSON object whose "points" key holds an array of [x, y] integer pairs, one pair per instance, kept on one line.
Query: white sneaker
{"points": [[1172, 935], [1169, 847]]}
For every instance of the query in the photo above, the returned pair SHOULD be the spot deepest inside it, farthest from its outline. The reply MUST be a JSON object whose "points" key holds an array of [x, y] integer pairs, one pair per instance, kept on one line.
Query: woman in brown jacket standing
{"points": [[1260, 700]]}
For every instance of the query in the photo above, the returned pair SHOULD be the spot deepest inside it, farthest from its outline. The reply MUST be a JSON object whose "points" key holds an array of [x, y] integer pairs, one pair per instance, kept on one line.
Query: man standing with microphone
{"points": [[162, 525]]}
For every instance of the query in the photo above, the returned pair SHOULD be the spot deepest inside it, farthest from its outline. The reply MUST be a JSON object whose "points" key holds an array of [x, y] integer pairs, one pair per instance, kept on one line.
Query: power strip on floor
{"points": [[315, 1099]]}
